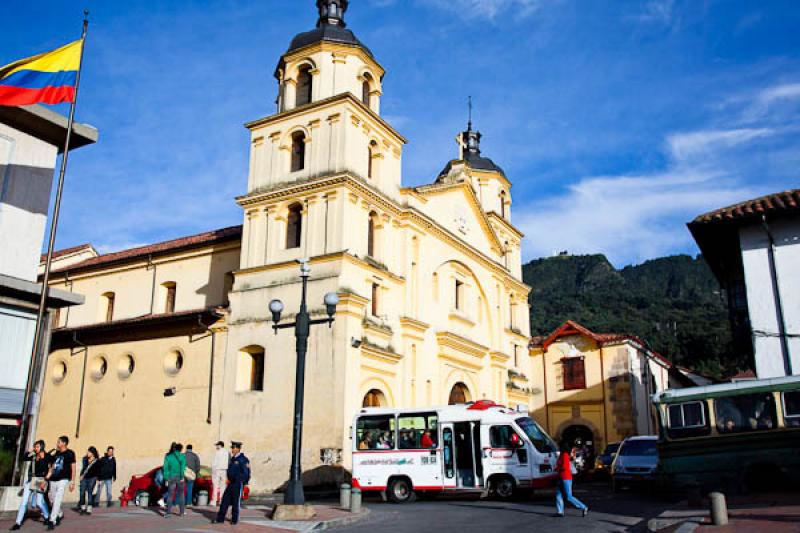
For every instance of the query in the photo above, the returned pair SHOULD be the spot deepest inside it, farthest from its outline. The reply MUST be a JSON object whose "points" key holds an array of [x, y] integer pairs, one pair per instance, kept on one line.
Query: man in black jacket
{"points": [[108, 474], [238, 477]]}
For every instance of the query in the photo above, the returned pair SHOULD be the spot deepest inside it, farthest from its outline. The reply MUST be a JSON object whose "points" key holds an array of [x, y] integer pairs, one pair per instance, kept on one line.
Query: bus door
{"points": [[468, 466], [448, 456], [505, 452]]}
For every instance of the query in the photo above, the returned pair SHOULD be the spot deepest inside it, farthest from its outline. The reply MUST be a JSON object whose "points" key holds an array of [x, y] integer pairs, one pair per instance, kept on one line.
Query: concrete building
{"points": [[175, 341], [595, 387], [31, 138], [753, 248]]}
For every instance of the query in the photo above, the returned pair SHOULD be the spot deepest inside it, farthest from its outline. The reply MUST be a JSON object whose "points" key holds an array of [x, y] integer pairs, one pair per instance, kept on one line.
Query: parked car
{"points": [[636, 462], [602, 465], [148, 484]]}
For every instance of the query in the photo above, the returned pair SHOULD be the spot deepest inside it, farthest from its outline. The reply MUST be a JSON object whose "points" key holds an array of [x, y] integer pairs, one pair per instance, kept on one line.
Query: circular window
{"points": [[99, 367], [126, 366], [173, 362], [59, 371]]}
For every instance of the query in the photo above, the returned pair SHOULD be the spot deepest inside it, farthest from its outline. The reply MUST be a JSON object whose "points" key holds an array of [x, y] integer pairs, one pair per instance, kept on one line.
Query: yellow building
{"points": [[595, 387], [175, 341]]}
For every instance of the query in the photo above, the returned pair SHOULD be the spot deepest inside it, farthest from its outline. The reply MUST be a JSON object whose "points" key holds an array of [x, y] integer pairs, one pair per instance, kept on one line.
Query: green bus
{"points": [[739, 436]]}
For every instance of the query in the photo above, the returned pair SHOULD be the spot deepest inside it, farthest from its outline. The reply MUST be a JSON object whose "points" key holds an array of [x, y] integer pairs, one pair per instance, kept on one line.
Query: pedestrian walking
{"points": [[564, 489], [36, 485], [174, 471], [60, 475], [238, 477], [89, 473], [219, 472], [192, 471], [108, 474]]}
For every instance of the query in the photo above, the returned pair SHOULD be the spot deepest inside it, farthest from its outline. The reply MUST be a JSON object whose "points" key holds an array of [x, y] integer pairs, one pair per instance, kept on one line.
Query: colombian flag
{"points": [[47, 78]]}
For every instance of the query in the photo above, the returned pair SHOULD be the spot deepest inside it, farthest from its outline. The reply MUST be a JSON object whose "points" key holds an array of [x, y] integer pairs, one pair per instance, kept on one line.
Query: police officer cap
{"points": [[235, 444]]}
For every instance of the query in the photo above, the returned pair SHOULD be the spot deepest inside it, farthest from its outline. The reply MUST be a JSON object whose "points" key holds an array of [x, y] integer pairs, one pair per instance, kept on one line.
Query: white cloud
{"points": [[775, 93], [488, 8], [631, 218], [685, 146], [657, 11]]}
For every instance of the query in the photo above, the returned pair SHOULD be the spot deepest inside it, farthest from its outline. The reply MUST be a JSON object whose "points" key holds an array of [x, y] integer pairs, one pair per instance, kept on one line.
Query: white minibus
{"points": [[473, 447]]}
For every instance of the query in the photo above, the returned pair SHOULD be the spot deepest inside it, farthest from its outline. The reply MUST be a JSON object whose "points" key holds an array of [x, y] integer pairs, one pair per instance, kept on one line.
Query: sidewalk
{"points": [[253, 519], [756, 513]]}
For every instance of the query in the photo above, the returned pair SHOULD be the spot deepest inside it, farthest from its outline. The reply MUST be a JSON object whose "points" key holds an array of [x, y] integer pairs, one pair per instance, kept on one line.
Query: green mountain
{"points": [[673, 303]]}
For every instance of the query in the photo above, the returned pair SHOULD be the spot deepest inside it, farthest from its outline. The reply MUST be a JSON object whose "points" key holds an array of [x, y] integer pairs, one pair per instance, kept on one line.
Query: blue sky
{"points": [[617, 122]]}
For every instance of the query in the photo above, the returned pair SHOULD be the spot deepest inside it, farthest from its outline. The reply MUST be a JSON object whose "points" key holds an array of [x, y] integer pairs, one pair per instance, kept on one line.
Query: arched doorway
{"points": [[374, 398], [458, 394], [582, 439]]}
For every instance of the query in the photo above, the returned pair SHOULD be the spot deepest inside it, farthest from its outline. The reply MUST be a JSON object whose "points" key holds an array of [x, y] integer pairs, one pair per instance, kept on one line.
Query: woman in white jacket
{"points": [[219, 472]]}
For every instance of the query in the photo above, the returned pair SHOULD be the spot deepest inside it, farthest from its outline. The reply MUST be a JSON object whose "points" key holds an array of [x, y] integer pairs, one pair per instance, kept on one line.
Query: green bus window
{"points": [[748, 412], [686, 415], [791, 409], [685, 420]]}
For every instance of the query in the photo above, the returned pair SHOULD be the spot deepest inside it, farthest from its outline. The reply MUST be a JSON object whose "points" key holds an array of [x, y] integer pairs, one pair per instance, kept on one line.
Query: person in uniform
{"points": [[238, 477]]}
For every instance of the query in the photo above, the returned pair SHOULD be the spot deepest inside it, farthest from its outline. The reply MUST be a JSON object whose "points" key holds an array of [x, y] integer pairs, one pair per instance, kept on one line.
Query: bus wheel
{"points": [[400, 490], [502, 487]]}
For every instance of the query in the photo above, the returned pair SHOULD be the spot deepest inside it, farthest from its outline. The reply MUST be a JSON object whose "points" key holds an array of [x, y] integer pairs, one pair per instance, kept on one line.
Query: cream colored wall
{"points": [[199, 276], [336, 69], [132, 413], [627, 406]]}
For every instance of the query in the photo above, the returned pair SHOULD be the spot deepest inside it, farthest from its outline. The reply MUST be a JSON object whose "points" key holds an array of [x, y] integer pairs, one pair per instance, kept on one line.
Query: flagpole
{"points": [[37, 358]]}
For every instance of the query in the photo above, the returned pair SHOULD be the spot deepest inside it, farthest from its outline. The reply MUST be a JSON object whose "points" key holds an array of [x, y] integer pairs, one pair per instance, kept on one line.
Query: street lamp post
{"points": [[294, 491]]}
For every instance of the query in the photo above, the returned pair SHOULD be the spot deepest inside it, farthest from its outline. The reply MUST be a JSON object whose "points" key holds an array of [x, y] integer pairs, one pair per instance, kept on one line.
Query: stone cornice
{"points": [[373, 352], [327, 103], [326, 46], [406, 213], [461, 344], [411, 327], [505, 223]]}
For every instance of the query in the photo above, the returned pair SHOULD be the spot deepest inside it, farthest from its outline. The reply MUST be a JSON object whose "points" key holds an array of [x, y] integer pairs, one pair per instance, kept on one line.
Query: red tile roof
{"points": [[571, 327], [200, 239], [771, 204], [67, 251]]}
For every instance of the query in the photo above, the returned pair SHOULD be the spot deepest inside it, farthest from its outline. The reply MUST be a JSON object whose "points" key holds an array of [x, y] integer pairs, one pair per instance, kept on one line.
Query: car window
{"points": [[639, 447], [611, 449]]}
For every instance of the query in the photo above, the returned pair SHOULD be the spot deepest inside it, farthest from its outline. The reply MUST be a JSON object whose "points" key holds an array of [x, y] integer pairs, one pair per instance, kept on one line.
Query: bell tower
{"points": [[327, 122]]}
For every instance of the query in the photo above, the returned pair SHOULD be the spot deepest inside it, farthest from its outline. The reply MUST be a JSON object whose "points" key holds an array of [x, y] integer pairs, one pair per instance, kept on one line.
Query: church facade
{"points": [[175, 340]]}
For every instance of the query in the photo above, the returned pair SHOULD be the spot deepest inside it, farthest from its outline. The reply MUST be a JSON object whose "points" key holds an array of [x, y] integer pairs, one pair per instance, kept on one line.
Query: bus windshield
{"points": [[539, 438]]}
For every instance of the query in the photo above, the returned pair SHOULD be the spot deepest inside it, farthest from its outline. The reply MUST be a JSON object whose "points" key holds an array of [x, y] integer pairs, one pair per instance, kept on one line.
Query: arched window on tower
{"points": [[304, 85], [294, 226], [503, 204], [298, 151], [366, 90], [371, 229]]}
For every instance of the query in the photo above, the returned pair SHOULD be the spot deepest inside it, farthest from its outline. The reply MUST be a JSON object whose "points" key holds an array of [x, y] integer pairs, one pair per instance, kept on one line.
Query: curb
{"points": [[309, 526]]}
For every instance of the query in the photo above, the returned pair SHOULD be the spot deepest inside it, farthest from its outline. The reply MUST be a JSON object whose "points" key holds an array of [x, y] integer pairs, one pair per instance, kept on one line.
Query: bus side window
{"points": [[791, 409], [418, 431], [375, 433], [747, 412], [687, 420]]}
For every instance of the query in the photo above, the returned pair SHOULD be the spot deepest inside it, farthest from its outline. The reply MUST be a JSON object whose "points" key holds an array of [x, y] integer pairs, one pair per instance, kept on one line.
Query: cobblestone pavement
{"points": [[624, 511]]}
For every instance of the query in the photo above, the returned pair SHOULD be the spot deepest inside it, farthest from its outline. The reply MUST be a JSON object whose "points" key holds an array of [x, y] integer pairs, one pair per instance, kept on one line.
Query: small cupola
{"points": [[469, 142], [331, 27]]}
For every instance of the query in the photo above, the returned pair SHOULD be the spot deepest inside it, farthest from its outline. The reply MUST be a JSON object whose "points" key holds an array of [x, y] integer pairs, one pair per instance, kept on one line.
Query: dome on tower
{"points": [[331, 27], [471, 155]]}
